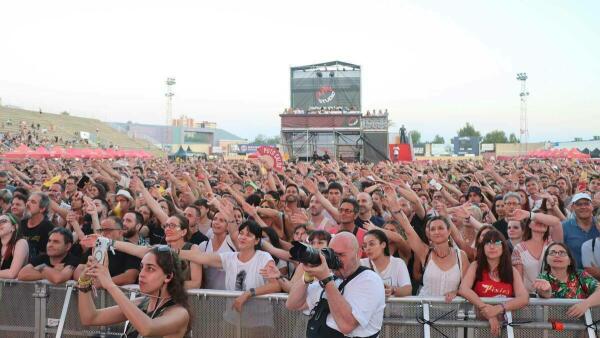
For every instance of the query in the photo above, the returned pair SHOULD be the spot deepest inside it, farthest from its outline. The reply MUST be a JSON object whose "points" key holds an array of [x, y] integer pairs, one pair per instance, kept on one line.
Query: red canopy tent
{"points": [[21, 151], [41, 152]]}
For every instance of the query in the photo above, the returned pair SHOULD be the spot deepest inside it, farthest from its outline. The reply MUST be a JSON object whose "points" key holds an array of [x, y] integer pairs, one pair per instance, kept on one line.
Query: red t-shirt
{"points": [[491, 288], [360, 235]]}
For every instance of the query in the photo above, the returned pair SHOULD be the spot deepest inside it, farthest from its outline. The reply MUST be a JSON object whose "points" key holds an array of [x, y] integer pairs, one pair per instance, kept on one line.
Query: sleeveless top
{"points": [[131, 332], [437, 282], [8, 261], [488, 287]]}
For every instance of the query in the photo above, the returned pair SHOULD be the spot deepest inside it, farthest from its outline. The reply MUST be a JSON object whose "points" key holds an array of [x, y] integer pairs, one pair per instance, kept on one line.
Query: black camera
{"points": [[306, 254]]}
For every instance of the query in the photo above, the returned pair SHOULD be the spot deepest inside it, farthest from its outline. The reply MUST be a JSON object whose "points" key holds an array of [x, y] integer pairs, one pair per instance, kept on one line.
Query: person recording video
{"points": [[162, 310], [347, 303]]}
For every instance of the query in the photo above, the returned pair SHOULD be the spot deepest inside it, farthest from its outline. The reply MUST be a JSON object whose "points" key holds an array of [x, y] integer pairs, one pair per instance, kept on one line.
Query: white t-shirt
{"points": [[395, 274], [590, 258], [366, 296], [242, 276], [214, 278]]}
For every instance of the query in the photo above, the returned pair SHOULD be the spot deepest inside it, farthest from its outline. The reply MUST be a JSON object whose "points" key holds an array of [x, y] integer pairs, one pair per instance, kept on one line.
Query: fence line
{"points": [[55, 313]]}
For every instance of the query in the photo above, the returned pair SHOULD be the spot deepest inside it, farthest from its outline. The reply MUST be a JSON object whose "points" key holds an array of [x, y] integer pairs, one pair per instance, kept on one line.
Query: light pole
{"points": [[523, 129]]}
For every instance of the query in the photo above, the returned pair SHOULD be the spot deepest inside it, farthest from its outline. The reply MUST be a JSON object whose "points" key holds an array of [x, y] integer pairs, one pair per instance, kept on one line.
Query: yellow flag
{"points": [[51, 181]]}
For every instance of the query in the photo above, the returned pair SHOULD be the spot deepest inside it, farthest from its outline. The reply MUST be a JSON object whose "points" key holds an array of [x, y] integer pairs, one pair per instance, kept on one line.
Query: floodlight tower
{"points": [[169, 94], [524, 130]]}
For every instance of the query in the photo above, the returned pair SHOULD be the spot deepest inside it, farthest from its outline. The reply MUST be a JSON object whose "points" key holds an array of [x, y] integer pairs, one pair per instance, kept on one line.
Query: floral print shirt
{"points": [[580, 285]]}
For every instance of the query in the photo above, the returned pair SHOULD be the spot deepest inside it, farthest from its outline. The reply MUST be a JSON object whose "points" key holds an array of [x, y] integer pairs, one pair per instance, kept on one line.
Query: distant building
{"points": [[199, 137]]}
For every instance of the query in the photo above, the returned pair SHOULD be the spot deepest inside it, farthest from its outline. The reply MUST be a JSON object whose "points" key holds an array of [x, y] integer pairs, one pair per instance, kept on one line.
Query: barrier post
{"points": [[426, 327], [589, 321], [510, 333], [40, 296], [65, 308]]}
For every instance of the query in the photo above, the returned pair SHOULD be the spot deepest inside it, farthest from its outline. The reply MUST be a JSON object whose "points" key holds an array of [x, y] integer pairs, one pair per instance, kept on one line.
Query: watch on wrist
{"points": [[325, 281], [252, 292]]}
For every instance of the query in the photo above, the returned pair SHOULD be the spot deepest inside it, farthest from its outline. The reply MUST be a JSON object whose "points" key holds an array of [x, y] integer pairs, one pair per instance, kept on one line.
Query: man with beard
{"points": [[198, 230], [56, 265], [123, 268], [365, 211], [319, 219], [291, 209], [37, 227]]}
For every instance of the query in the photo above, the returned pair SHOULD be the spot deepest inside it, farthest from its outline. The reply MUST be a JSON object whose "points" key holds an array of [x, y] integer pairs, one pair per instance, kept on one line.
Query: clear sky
{"points": [[433, 64]]}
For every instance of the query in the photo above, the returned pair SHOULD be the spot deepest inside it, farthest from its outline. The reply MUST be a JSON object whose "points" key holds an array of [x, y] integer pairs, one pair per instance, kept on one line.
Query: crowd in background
{"points": [[514, 229]]}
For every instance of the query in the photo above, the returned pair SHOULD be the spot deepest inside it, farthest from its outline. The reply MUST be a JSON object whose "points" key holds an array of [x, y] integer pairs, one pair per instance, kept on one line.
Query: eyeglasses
{"points": [[493, 243], [346, 211], [171, 225], [557, 253], [583, 204]]}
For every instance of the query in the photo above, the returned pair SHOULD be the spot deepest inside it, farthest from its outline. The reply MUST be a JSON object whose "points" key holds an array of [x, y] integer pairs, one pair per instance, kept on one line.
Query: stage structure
{"points": [[325, 116], [348, 137]]}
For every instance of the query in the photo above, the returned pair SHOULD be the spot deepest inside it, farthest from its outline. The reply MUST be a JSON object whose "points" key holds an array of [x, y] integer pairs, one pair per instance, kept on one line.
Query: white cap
{"points": [[580, 196], [125, 193]]}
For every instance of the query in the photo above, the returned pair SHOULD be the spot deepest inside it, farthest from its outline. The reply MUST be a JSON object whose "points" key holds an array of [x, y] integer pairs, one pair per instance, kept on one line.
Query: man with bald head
{"points": [[346, 303], [365, 211]]}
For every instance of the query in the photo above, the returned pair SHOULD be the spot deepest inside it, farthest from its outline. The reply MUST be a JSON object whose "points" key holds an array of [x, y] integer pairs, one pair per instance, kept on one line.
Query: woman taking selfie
{"points": [[163, 311]]}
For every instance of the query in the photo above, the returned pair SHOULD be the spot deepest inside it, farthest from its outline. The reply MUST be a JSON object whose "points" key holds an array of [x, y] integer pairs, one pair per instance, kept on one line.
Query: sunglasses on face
{"points": [[497, 243]]}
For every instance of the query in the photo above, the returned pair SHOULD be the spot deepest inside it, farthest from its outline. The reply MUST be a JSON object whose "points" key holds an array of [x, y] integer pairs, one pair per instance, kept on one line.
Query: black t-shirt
{"points": [[37, 237], [198, 237], [377, 220], [502, 226], [419, 226], [69, 260], [117, 263], [157, 234]]}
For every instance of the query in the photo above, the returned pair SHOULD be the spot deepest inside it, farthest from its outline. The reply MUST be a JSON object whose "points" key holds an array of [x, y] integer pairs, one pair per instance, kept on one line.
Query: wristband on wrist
{"points": [[325, 281], [252, 292]]}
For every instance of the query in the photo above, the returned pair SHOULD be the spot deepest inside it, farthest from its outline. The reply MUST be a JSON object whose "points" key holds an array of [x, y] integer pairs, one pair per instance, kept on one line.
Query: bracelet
{"points": [[503, 308], [397, 211]]}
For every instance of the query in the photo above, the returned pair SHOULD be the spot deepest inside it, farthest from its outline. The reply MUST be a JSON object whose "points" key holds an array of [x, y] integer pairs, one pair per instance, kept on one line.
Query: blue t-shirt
{"points": [[574, 237]]}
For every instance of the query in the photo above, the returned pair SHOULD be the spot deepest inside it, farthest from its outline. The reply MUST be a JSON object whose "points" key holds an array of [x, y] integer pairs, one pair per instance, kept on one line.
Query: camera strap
{"points": [[317, 324]]}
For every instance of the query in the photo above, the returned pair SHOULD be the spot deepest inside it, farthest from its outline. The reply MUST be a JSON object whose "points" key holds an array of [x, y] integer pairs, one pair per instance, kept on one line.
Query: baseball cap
{"points": [[125, 193], [250, 184], [580, 196]]}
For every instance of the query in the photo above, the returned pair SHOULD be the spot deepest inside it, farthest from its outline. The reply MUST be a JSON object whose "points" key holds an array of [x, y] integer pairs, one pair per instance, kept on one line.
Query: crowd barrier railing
{"points": [[40, 309]]}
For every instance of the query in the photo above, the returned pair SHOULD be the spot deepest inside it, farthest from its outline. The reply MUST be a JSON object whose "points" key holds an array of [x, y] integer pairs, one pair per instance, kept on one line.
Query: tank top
{"points": [[488, 287], [131, 332], [437, 282]]}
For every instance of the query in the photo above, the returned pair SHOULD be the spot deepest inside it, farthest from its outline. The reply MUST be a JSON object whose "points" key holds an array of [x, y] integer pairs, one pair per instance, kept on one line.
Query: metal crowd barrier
{"points": [[40, 309]]}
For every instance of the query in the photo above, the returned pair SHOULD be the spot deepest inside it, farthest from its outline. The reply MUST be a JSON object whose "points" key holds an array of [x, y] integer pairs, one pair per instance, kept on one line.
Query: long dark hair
{"points": [[527, 228], [13, 239], [571, 269], [505, 269], [169, 262], [382, 238]]}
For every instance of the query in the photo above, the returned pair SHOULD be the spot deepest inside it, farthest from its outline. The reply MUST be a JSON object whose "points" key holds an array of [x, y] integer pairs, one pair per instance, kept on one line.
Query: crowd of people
{"points": [[471, 228], [33, 136], [334, 110]]}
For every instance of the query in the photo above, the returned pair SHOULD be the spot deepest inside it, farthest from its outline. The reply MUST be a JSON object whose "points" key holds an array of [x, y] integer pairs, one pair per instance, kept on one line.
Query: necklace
{"points": [[441, 257]]}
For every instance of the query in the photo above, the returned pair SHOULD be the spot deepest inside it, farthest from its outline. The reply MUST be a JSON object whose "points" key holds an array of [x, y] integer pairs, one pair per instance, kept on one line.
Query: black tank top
{"points": [[130, 331]]}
